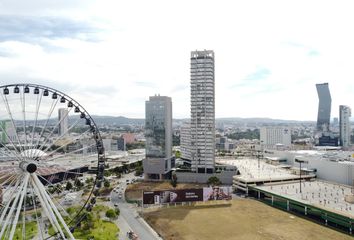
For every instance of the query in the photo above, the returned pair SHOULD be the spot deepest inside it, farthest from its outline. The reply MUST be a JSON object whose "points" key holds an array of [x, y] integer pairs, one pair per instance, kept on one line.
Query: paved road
{"points": [[129, 218]]}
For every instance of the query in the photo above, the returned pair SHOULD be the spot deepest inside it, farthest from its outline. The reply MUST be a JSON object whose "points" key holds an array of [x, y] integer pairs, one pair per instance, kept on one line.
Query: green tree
{"points": [[139, 170], [178, 154], [174, 180], [111, 214], [106, 183], [68, 186], [89, 180], [78, 184], [214, 181], [117, 211], [58, 188]]}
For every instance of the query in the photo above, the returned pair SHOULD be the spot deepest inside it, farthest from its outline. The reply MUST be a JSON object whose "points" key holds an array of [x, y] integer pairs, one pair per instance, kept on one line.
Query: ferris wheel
{"points": [[48, 142]]}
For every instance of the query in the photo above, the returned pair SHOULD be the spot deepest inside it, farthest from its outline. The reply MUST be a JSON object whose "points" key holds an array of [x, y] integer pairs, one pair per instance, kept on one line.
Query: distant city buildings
{"points": [[344, 125], [63, 121], [202, 111], [272, 136], [107, 144], [158, 135], [224, 144], [324, 107], [121, 144], [129, 138]]}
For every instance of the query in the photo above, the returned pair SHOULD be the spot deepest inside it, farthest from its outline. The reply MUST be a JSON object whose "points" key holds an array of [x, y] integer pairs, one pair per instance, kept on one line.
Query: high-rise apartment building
{"points": [[344, 125], [185, 141], [202, 111], [271, 136], [324, 107], [158, 135], [63, 121]]}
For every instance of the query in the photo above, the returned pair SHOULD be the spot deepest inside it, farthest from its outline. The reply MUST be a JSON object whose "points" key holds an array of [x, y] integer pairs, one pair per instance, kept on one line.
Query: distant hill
{"points": [[110, 120], [120, 120], [260, 120]]}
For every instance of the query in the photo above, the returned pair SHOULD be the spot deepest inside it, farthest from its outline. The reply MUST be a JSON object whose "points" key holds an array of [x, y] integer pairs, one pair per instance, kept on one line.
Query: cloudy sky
{"points": [[112, 55]]}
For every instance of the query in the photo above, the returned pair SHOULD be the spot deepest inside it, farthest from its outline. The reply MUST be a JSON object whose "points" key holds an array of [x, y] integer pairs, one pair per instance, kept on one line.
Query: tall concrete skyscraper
{"points": [[63, 121], [185, 139], [158, 135], [324, 107], [202, 111], [344, 125]]}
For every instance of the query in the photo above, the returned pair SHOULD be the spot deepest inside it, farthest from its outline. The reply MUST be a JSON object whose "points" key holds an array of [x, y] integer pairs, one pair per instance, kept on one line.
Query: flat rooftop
{"points": [[321, 194], [253, 171]]}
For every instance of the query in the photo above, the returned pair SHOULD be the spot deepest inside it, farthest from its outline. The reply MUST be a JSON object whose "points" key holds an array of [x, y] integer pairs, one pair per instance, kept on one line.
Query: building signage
{"points": [[187, 195]]}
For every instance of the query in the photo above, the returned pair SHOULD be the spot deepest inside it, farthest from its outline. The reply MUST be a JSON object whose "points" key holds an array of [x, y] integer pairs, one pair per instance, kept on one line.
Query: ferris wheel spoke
{"points": [[5, 179], [47, 210], [74, 152], [11, 193], [23, 107], [51, 133], [22, 194], [54, 103], [71, 153], [52, 206], [10, 153], [53, 198], [67, 143], [38, 104], [17, 153], [6, 222], [12, 121], [9, 182], [40, 231]]}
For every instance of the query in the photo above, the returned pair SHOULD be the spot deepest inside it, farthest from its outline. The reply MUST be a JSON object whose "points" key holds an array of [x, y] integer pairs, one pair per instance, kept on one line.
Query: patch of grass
{"points": [[103, 230], [100, 208], [97, 229], [31, 231]]}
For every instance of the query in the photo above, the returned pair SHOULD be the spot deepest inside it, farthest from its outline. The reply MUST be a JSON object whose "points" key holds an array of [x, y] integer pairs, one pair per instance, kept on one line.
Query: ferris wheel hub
{"points": [[28, 166]]}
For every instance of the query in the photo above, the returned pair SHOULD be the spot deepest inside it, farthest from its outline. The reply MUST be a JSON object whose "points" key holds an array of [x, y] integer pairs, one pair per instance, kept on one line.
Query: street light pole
{"points": [[300, 177], [300, 162]]}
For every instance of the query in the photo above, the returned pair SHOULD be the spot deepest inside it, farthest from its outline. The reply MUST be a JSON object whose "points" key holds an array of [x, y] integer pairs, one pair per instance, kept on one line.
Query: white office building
{"points": [[185, 141], [272, 136], [344, 125], [63, 121], [202, 111]]}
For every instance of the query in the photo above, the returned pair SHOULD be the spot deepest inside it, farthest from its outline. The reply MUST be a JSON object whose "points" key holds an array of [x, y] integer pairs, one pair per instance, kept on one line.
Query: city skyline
{"points": [[109, 56]]}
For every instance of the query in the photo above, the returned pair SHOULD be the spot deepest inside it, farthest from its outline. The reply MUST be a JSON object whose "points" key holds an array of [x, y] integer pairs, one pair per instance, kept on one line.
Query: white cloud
{"points": [[143, 47]]}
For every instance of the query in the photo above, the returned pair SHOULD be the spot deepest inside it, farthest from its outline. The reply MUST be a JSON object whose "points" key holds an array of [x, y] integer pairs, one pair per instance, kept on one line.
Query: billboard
{"points": [[187, 195]]}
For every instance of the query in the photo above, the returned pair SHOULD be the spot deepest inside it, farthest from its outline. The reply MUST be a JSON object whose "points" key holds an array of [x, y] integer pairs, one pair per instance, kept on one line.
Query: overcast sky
{"points": [[112, 55]]}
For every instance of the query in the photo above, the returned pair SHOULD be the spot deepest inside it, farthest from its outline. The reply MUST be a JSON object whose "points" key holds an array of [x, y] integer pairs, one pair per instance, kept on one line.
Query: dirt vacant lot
{"points": [[243, 219]]}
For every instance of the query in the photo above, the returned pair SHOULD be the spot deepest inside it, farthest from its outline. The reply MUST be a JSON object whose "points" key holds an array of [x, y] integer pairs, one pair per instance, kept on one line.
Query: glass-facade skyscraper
{"points": [[324, 107], [158, 135]]}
